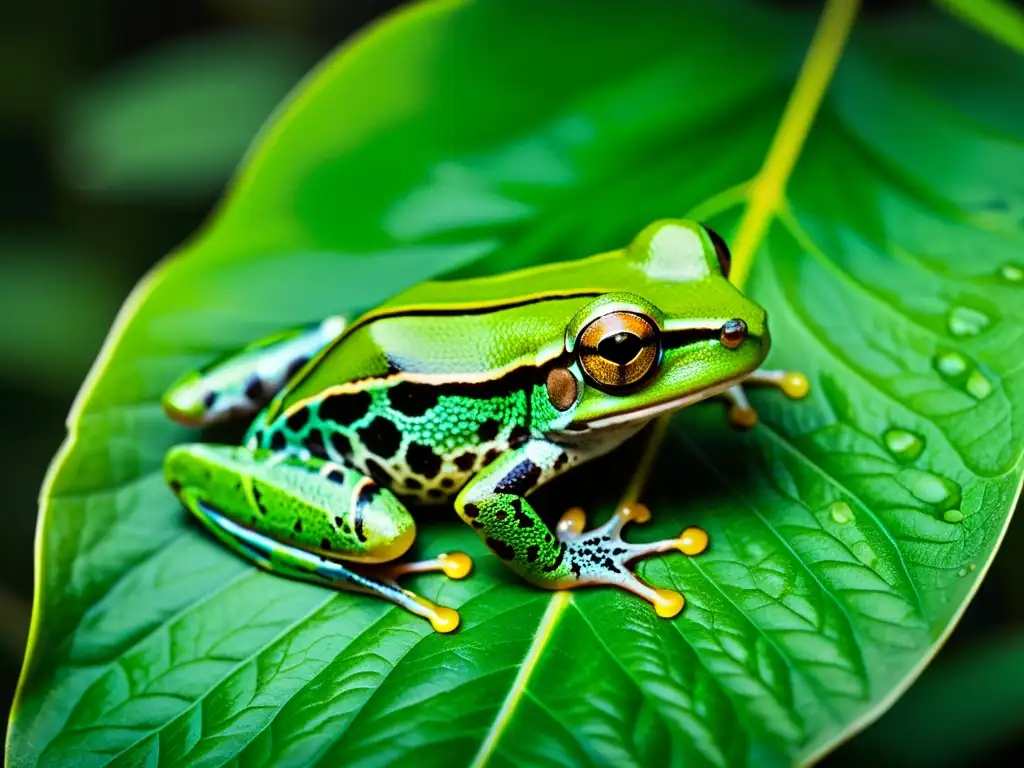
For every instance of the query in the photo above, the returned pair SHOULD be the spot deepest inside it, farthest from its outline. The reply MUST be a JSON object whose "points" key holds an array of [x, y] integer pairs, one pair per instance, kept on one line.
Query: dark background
{"points": [[85, 213]]}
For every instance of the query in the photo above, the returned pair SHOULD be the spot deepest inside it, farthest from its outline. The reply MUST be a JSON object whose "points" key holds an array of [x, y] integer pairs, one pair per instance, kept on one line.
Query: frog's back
{"points": [[464, 330]]}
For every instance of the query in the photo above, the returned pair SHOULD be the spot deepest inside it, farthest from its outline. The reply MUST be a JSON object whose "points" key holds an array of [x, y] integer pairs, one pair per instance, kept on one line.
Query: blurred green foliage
{"points": [[119, 126]]}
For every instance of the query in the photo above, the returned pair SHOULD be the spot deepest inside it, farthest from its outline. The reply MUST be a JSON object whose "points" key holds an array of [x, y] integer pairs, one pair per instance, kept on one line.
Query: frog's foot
{"points": [[601, 556], [291, 562], [741, 414]]}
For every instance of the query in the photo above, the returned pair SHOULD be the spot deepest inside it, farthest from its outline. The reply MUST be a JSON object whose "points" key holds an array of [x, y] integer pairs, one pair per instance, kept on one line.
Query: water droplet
{"points": [[952, 515], [840, 512], [973, 567], [978, 386], [904, 445], [863, 552], [964, 321], [929, 488], [962, 572], [1012, 272], [951, 364]]}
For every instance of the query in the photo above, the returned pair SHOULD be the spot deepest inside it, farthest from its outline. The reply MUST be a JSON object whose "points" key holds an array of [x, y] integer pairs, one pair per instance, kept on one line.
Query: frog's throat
{"points": [[644, 415]]}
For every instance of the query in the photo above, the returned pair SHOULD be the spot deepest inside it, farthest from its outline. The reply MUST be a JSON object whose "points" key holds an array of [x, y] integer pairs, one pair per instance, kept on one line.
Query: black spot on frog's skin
{"points": [[209, 399], [491, 456], [325, 545], [412, 399], [277, 441], [379, 475], [298, 420], [522, 478], [314, 443], [381, 437], [610, 565], [561, 461], [447, 482], [345, 408], [558, 559], [523, 520], [336, 476], [518, 436], [254, 389], [175, 487], [575, 568], [488, 430], [422, 460], [436, 493], [366, 496], [501, 549], [338, 522], [500, 515], [413, 484], [297, 527], [531, 553], [476, 523], [258, 499], [471, 510], [341, 444], [466, 461], [548, 537]]}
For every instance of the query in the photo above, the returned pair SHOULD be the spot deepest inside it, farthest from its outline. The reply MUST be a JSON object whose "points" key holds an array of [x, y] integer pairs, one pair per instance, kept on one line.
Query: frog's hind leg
{"points": [[742, 414], [239, 384], [290, 562], [300, 518]]}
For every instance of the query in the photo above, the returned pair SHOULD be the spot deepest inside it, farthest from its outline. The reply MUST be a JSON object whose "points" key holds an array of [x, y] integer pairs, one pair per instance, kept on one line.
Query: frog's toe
{"points": [[572, 524], [454, 565]]}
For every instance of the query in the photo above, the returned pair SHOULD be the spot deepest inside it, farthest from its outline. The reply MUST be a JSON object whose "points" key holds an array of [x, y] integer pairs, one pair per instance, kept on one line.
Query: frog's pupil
{"points": [[620, 348]]}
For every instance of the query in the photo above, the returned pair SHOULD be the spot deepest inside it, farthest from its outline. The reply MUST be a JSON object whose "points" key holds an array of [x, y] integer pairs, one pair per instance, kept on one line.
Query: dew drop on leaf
{"points": [[926, 487], [863, 552], [951, 364], [1012, 273], [903, 444], [964, 321], [840, 512], [962, 572], [978, 386], [953, 516]]}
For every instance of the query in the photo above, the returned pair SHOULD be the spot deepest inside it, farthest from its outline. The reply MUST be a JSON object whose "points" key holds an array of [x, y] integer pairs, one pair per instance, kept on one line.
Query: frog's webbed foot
{"points": [[742, 414], [380, 581], [601, 556]]}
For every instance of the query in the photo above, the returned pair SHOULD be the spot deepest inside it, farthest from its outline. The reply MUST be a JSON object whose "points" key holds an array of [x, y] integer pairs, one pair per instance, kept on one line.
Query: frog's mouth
{"points": [[655, 409]]}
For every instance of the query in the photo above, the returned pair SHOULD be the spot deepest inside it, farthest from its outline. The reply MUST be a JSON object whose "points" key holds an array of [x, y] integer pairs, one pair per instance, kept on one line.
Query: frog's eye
{"points": [[618, 349], [721, 250]]}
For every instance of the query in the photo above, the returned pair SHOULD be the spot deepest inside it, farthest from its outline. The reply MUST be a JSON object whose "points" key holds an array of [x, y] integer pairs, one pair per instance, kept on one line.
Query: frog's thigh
{"points": [[300, 518], [242, 383], [312, 505]]}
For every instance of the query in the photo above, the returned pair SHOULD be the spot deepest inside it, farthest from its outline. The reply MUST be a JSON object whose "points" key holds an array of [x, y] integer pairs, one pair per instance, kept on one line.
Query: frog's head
{"points": [[676, 333]]}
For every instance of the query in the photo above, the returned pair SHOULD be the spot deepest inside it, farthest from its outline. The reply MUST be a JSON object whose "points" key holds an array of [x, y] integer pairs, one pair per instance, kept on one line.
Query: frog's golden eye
{"points": [[618, 349], [721, 250]]}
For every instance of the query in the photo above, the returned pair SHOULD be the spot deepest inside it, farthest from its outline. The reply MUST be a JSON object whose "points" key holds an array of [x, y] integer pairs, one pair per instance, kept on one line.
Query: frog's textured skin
{"points": [[478, 391]]}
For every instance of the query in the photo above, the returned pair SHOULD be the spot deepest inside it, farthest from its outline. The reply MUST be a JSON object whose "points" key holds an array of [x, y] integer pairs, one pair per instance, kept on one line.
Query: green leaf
{"points": [[848, 530], [173, 123]]}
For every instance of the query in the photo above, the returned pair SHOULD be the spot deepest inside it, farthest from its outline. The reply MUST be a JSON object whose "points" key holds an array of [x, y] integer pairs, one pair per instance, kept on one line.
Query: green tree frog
{"points": [[476, 390]]}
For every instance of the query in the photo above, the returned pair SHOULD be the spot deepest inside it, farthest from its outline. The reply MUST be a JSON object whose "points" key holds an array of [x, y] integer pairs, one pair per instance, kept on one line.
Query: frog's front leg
{"points": [[301, 518], [742, 414], [495, 504]]}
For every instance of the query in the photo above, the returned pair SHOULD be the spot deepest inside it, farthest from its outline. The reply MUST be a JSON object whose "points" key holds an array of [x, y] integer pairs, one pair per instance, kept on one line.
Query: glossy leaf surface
{"points": [[848, 530]]}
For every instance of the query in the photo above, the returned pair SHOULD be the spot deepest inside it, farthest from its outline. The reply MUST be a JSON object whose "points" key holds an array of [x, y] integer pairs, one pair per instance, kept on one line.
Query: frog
{"points": [[471, 393]]}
